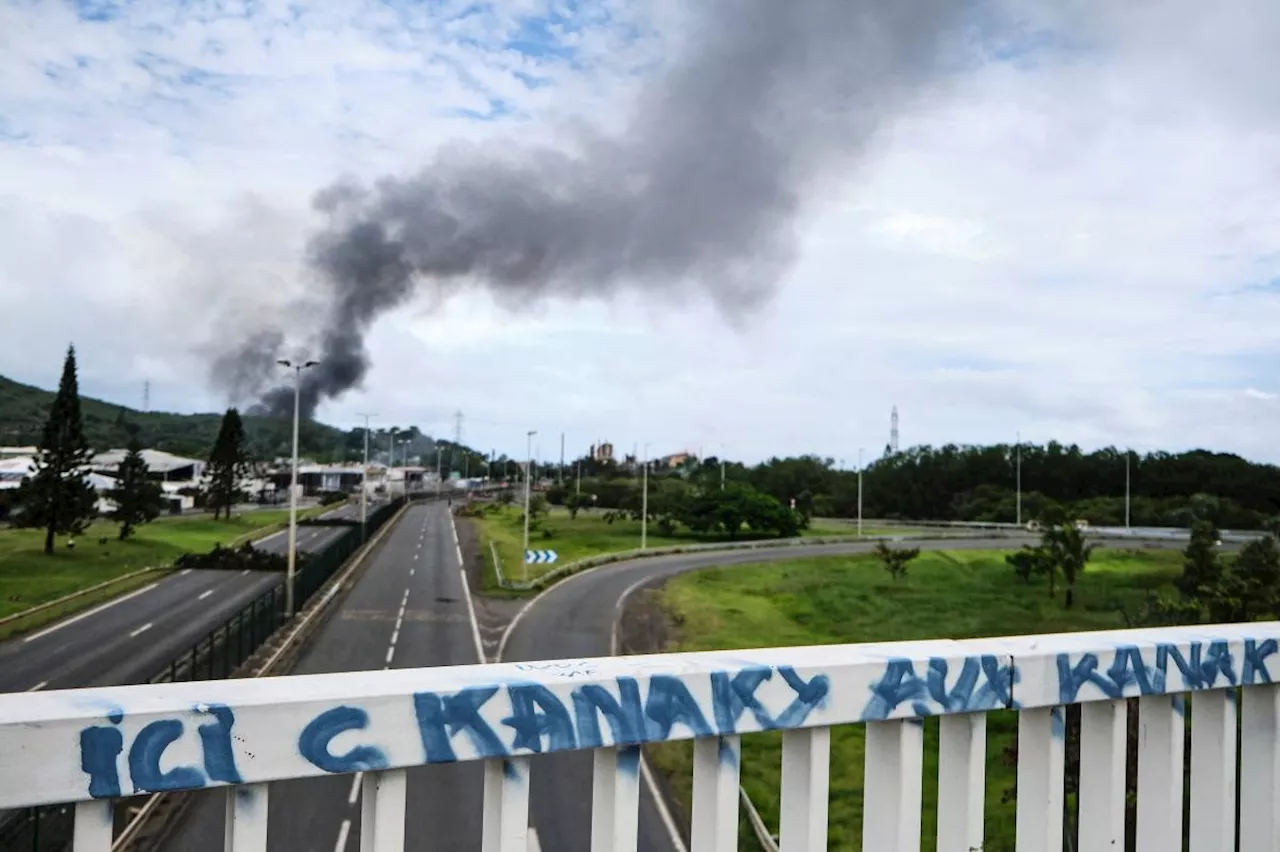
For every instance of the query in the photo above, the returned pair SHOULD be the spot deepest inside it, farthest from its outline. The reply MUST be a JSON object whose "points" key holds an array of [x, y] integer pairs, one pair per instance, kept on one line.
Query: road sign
{"points": [[540, 557]]}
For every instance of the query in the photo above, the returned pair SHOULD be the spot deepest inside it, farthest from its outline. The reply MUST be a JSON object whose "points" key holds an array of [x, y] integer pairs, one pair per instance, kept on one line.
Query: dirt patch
{"points": [[469, 543], [493, 614], [646, 625]]}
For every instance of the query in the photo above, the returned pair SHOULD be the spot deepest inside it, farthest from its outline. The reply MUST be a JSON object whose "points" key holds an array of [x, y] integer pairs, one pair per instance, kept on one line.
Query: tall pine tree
{"points": [[228, 464], [138, 499], [58, 496]]}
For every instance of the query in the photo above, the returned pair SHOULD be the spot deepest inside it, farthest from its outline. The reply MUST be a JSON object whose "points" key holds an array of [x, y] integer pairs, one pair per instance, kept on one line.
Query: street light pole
{"points": [[722, 467], [859, 490], [1018, 478], [364, 482], [524, 557], [1127, 453], [644, 502], [293, 482]]}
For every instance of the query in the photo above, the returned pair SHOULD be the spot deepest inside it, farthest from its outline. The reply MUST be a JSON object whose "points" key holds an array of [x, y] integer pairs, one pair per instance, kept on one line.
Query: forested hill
{"points": [[23, 410]]}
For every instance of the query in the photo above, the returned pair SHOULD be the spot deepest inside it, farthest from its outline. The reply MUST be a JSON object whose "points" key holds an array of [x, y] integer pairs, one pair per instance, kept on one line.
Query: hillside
{"points": [[23, 409]]}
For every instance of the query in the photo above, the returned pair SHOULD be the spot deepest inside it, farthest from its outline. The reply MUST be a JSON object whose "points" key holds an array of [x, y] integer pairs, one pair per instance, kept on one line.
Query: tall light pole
{"points": [[404, 458], [722, 467], [524, 557], [644, 502], [364, 481], [439, 471], [859, 490], [1127, 453], [293, 481], [1018, 477]]}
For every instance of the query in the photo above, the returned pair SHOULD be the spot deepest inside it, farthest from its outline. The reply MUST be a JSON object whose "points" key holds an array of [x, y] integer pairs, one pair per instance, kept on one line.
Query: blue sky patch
{"points": [[98, 11]]}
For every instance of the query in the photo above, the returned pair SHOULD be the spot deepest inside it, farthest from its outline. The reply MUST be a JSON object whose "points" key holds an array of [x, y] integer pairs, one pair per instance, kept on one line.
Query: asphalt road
{"points": [[575, 619], [130, 638], [415, 568]]}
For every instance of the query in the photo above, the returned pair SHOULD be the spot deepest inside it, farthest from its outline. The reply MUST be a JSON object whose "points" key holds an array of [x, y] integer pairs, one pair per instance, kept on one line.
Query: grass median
{"points": [[591, 534], [29, 578], [958, 594]]}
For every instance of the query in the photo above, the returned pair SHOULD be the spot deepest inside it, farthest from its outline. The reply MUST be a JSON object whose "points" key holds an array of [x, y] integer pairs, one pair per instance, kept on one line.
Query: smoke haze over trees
{"points": [[699, 195]]}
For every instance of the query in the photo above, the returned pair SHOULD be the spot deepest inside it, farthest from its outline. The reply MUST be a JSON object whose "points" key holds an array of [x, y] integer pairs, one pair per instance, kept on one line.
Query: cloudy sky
{"points": [[1069, 227]]}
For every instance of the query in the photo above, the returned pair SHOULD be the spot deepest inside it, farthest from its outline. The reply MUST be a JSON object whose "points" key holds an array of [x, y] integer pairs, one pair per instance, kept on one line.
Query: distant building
{"points": [[673, 460], [602, 452], [162, 466]]}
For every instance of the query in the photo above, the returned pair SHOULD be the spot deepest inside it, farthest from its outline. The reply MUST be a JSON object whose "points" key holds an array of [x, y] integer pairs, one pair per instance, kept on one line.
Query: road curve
{"points": [[575, 619]]}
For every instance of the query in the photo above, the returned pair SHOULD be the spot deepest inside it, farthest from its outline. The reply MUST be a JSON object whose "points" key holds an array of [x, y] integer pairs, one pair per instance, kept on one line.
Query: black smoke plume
{"points": [[698, 196]]}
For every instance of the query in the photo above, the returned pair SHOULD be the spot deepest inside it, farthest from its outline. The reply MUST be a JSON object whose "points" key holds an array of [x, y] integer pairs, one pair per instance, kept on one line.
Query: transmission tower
{"points": [[146, 395], [457, 428], [893, 430]]}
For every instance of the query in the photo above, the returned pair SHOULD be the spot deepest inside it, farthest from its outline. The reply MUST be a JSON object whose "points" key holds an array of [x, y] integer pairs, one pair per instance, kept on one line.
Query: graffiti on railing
{"points": [[983, 683], [1145, 670], [537, 707], [102, 745], [493, 721]]}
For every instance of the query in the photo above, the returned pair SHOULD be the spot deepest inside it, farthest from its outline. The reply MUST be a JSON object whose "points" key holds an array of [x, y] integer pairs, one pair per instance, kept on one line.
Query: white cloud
{"points": [[1074, 245]]}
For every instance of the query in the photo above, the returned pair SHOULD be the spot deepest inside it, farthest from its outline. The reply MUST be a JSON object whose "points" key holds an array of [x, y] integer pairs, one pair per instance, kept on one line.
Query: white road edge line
{"points": [[87, 613], [535, 845], [143, 629], [343, 833], [391, 652], [355, 788], [39, 686], [659, 801], [184, 572], [204, 595], [471, 607], [664, 812]]}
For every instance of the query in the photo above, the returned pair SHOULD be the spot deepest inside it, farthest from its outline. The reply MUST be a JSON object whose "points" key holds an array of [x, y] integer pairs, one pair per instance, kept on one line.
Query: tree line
{"points": [[58, 497], [981, 484]]}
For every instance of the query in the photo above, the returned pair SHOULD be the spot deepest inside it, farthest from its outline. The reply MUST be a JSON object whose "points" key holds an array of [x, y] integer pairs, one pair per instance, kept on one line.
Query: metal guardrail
{"points": [[38, 608], [754, 544]]}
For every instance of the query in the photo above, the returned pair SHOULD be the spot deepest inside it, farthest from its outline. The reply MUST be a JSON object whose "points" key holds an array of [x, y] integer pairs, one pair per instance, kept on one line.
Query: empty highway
{"points": [[408, 610], [130, 638]]}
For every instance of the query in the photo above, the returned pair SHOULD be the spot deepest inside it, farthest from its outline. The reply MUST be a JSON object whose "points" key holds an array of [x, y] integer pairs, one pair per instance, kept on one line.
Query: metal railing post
{"points": [[226, 649]]}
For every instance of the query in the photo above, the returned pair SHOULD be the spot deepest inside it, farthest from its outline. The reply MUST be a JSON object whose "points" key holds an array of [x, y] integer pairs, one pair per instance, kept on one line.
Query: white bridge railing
{"points": [[92, 746]]}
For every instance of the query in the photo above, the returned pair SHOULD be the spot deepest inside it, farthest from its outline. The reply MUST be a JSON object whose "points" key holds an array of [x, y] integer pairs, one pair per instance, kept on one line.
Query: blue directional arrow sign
{"points": [[540, 557]]}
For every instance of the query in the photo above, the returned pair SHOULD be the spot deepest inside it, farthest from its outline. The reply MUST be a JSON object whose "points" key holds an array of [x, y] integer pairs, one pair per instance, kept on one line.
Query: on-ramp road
{"points": [[130, 638], [575, 619]]}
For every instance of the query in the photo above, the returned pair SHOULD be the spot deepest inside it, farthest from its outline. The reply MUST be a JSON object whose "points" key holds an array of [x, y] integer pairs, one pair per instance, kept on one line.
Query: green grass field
{"points": [[28, 577], [572, 539], [590, 535], [957, 594]]}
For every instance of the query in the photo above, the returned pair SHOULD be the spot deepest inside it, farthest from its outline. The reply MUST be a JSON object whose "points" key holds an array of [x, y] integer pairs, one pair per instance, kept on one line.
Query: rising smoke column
{"points": [[699, 196]]}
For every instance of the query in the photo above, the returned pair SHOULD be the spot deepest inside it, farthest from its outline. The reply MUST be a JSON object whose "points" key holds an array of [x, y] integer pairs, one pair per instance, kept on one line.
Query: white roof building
{"points": [[166, 465]]}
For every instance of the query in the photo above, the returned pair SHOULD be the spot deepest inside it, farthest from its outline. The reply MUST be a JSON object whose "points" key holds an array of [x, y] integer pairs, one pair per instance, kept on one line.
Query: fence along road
{"points": [[130, 638], [409, 609]]}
